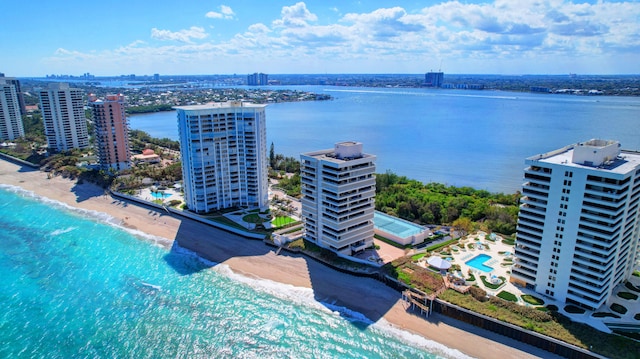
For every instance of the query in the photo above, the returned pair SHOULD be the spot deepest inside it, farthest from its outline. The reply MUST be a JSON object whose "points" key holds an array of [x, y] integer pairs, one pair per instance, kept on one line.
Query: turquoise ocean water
{"points": [[76, 285]]}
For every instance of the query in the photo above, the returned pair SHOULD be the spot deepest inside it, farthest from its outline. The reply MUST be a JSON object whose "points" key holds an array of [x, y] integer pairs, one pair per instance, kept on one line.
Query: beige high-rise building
{"points": [[338, 203], [65, 124], [111, 131]]}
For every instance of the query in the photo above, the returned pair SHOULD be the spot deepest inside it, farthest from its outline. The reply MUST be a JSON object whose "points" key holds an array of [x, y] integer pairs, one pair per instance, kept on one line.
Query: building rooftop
{"points": [[612, 161], [342, 152], [212, 105]]}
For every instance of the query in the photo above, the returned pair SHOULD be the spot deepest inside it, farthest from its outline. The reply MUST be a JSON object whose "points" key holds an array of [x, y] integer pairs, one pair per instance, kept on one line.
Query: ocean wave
{"points": [[419, 341], [181, 250], [305, 297], [58, 232], [88, 214]]}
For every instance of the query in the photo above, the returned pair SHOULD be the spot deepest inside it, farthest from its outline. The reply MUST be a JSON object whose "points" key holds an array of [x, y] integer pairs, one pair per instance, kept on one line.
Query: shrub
{"points": [[417, 257], [507, 296], [440, 245], [526, 312], [508, 241], [627, 295], [631, 287], [478, 293], [491, 285], [618, 308], [637, 316], [573, 309], [552, 307], [605, 315], [471, 277], [532, 300], [174, 202]]}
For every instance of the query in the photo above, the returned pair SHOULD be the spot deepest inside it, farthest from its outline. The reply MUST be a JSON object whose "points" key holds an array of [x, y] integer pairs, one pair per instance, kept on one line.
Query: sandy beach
{"points": [[255, 259]]}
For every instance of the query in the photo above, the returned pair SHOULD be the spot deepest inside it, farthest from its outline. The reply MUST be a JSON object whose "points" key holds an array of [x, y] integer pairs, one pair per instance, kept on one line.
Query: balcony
{"points": [[524, 264], [535, 195], [360, 247], [527, 253], [533, 208], [592, 263]]}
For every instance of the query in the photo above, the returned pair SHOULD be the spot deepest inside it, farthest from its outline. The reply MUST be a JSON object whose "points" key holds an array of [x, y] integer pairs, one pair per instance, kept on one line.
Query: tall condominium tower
{"points": [[111, 131], [224, 155], [579, 226], [338, 188], [65, 125], [15, 82], [434, 79], [10, 116], [257, 79]]}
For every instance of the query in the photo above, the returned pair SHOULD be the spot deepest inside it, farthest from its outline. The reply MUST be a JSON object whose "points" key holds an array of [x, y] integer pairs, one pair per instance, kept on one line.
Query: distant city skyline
{"points": [[289, 37]]}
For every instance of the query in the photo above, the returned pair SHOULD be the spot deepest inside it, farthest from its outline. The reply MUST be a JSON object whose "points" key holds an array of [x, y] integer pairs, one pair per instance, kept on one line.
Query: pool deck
{"points": [[146, 195], [462, 256]]}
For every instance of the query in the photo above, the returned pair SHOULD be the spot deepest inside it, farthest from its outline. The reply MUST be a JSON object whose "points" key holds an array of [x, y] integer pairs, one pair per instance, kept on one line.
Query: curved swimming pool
{"points": [[160, 195], [477, 262]]}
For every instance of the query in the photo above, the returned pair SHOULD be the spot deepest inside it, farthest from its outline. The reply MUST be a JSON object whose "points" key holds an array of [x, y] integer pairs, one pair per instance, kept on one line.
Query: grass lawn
{"points": [[532, 300], [507, 296], [282, 221], [253, 218], [417, 257]]}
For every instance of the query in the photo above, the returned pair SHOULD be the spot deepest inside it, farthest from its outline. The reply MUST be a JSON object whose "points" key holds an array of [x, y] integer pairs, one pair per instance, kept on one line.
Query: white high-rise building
{"points": [[339, 188], [579, 226], [65, 123], [11, 126], [224, 155]]}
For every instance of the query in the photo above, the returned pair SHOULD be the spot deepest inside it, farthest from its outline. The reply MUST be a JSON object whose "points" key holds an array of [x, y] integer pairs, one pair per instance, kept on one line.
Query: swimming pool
{"points": [[477, 262], [396, 226], [160, 195]]}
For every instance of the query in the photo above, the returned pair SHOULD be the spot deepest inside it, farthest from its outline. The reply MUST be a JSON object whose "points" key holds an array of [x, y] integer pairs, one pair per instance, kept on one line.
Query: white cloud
{"points": [[295, 16], [259, 28], [225, 13], [504, 34], [185, 35]]}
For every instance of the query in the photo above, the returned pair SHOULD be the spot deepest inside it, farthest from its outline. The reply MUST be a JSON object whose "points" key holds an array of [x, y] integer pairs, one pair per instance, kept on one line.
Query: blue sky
{"points": [[42, 37]]}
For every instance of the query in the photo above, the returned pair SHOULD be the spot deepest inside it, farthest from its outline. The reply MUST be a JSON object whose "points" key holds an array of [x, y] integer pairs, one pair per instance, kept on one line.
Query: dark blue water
{"points": [[456, 137]]}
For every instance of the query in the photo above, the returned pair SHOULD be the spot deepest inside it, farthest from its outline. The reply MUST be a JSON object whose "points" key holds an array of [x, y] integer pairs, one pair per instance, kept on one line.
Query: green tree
{"points": [[272, 157]]}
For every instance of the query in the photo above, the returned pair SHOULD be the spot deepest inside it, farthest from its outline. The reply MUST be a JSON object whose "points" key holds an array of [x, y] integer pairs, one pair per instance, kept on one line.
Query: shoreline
{"points": [[249, 258]]}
